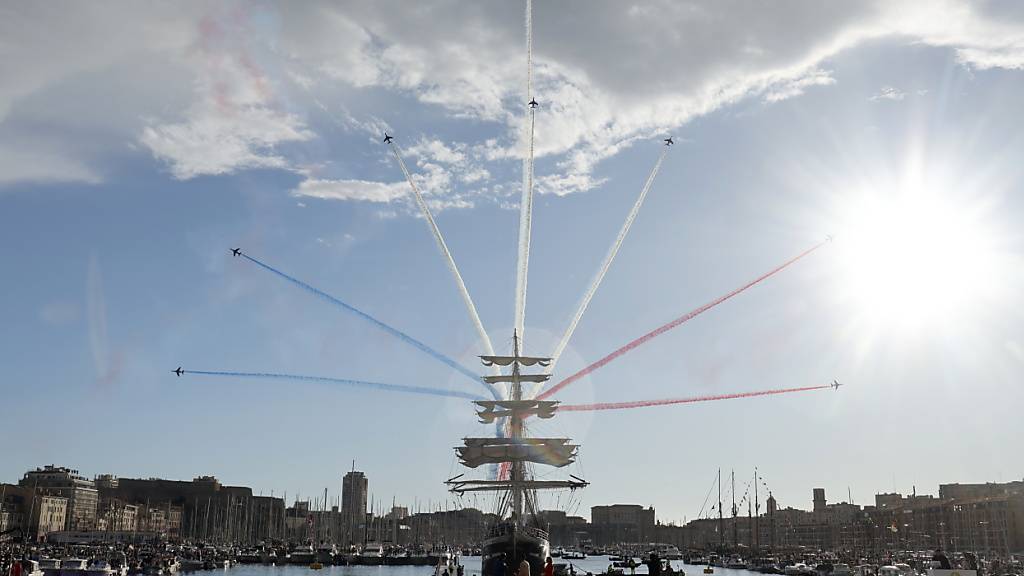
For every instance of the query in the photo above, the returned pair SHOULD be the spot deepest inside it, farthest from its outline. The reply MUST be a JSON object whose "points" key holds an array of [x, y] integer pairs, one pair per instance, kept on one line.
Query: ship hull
{"points": [[507, 545]]}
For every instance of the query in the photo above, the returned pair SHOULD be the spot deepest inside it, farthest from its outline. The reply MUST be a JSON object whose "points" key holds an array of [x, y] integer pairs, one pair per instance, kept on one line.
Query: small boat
{"points": [[50, 566], [798, 569], [708, 569], [841, 569], [73, 567], [30, 568], [302, 555], [99, 567]]}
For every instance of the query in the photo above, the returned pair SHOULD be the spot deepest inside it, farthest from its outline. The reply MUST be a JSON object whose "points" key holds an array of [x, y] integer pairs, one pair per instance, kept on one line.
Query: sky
{"points": [[138, 143]]}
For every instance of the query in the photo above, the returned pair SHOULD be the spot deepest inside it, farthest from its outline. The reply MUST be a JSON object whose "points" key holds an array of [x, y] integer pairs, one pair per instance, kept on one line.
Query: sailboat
{"points": [[516, 536]]}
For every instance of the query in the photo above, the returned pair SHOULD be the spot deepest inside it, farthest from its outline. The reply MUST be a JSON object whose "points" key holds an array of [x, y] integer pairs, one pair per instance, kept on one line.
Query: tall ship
{"points": [[517, 535]]}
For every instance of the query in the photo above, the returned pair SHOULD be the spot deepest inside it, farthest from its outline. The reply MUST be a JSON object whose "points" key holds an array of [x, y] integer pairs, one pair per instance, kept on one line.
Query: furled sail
{"points": [[508, 360], [550, 451], [494, 409], [536, 378]]}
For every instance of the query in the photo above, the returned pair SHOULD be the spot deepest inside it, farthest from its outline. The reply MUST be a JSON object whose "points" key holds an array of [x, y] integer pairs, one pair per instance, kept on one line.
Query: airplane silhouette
{"points": [[828, 237], [179, 371], [533, 103], [835, 384], [236, 251], [668, 141], [388, 139]]}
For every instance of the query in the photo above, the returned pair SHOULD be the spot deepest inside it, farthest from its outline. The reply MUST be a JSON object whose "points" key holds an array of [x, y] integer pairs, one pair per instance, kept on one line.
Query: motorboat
{"points": [[99, 567], [50, 566], [30, 568], [302, 555], [73, 567], [841, 569]]}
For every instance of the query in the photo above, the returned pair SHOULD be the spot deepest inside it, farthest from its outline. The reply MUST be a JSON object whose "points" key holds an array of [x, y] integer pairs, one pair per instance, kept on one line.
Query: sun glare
{"points": [[913, 258]]}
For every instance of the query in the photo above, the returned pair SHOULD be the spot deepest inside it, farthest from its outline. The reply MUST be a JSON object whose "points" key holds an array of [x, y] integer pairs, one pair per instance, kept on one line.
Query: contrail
{"points": [[526, 202], [668, 401], [385, 327], [680, 320], [466, 299], [607, 262], [344, 381]]}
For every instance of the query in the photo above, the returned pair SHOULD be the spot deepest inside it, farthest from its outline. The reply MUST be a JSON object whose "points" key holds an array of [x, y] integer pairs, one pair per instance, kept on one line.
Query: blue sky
{"points": [[134, 156]]}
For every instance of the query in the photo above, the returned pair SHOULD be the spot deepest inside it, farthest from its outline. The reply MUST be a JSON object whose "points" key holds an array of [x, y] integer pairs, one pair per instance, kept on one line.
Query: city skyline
{"points": [[140, 145], [314, 501], [54, 504]]}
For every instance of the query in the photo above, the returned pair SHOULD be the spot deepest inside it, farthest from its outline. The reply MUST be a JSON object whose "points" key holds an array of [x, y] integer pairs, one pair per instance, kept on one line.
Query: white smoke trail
{"points": [[466, 298], [589, 294], [526, 202]]}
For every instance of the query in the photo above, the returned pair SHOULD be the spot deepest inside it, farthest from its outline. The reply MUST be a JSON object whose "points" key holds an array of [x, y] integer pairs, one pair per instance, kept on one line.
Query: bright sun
{"points": [[913, 258]]}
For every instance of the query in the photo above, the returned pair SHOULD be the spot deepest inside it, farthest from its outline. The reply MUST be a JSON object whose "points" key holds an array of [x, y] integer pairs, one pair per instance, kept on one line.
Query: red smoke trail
{"points": [[667, 401], [666, 327]]}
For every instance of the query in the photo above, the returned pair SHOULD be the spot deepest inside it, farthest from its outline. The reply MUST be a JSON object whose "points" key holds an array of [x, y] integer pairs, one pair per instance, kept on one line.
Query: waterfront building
{"points": [[116, 515], [621, 523], [34, 513], [81, 493]]}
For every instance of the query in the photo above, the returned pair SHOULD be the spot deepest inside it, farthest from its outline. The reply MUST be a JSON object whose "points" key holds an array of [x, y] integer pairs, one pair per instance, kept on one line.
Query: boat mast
{"points": [[734, 509], [721, 525], [757, 514], [516, 449], [516, 425]]}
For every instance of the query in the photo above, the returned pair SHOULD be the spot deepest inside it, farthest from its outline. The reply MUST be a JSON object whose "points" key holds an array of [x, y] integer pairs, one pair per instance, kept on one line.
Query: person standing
{"points": [[524, 568], [549, 567], [653, 565]]}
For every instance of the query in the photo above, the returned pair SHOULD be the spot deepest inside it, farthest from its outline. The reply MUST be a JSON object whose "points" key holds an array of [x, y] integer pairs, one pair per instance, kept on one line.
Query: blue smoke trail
{"points": [[359, 383], [385, 327]]}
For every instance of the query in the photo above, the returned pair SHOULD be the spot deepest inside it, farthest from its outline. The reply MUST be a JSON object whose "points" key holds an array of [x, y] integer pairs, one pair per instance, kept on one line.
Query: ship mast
{"points": [[516, 430], [517, 450]]}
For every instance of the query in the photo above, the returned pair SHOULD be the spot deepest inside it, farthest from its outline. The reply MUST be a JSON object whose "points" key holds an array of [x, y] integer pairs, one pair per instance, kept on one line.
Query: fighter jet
{"points": [[388, 139], [236, 251], [835, 384], [179, 371], [668, 141], [533, 103]]}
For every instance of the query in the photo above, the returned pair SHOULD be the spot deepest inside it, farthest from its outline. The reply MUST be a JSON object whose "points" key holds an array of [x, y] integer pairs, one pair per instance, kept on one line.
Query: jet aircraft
{"points": [[668, 141], [179, 371], [835, 384], [388, 139], [236, 251], [533, 103]]}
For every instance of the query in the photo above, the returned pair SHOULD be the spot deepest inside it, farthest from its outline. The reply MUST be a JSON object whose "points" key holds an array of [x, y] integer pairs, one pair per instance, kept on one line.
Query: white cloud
{"points": [[215, 88], [888, 93], [797, 86], [216, 143], [351, 190]]}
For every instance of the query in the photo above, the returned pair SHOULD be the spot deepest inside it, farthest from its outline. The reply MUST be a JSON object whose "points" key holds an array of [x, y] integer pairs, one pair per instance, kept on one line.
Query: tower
{"points": [[353, 504], [819, 500]]}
